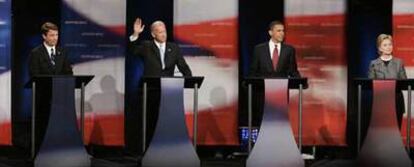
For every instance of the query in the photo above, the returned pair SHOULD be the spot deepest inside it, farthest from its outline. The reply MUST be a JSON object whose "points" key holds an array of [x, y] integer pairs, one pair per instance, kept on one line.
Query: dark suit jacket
{"points": [[149, 51], [262, 66], [40, 64]]}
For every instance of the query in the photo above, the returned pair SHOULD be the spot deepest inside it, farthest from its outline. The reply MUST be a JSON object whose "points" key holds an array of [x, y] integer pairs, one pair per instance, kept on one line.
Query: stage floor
{"points": [[129, 162]]}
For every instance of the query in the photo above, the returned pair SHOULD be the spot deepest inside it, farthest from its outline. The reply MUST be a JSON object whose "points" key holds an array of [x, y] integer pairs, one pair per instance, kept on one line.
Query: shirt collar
{"points": [[386, 59], [48, 48], [159, 44], [271, 43]]}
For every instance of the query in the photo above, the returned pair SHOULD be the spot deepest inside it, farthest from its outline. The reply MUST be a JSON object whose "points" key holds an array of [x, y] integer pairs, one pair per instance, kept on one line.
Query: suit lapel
{"points": [[383, 68], [168, 51], [58, 59], [282, 57], [393, 65], [157, 52], [46, 58], [268, 57]]}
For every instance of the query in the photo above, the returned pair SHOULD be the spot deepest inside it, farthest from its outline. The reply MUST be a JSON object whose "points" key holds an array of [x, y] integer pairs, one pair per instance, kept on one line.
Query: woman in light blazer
{"points": [[386, 66]]}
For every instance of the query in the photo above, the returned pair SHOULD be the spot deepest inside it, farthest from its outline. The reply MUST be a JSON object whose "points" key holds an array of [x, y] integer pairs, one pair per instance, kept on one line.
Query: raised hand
{"points": [[138, 27]]}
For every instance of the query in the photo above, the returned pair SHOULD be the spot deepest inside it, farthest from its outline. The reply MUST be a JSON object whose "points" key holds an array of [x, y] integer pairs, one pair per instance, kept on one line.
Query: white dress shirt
{"points": [[133, 38], [272, 48], [161, 47], [49, 51]]}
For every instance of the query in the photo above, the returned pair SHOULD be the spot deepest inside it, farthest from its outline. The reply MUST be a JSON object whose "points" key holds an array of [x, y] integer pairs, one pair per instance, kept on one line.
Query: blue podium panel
{"points": [[62, 145], [170, 145], [276, 145], [383, 145]]}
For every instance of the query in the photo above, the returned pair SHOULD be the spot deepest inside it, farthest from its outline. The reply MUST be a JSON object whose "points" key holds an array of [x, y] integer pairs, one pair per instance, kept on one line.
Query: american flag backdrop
{"points": [[5, 72], [403, 38], [93, 32], [316, 28], [207, 32]]}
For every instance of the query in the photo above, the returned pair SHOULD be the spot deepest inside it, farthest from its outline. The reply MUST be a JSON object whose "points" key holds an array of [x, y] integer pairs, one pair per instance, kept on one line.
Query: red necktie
{"points": [[275, 57]]}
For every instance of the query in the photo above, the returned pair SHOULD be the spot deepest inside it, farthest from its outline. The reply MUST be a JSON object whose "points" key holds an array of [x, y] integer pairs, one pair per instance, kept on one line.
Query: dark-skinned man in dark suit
{"points": [[265, 57], [273, 58]]}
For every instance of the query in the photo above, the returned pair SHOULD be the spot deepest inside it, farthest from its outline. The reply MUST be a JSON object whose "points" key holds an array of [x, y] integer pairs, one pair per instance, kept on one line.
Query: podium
{"points": [[62, 143], [276, 145], [383, 145], [171, 145]]}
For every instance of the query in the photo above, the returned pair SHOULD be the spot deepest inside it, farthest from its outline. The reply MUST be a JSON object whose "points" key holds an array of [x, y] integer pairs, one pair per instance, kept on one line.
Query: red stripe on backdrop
{"points": [[215, 126], [321, 36], [319, 41], [403, 30], [104, 130], [218, 36], [5, 131], [119, 30], [403, 34], [218, 125], [216, 32], [94, 130]]}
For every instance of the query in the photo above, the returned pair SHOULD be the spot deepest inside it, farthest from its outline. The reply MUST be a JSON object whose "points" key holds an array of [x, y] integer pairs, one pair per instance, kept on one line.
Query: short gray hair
{"points": [[157, 23]]}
